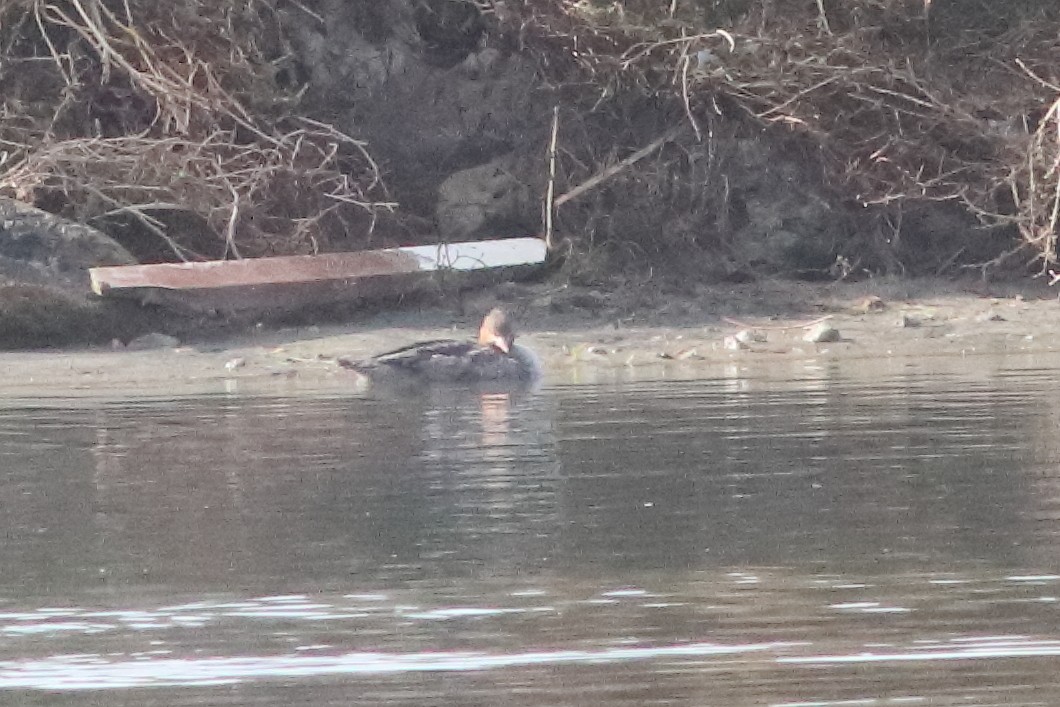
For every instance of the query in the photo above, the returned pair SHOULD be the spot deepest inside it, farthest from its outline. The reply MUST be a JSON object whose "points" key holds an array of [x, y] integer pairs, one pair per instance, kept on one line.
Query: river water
{"points": [[802, 533]]}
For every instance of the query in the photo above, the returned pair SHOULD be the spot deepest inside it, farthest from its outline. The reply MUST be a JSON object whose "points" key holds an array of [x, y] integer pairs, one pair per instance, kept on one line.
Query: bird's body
{"points": [[493, 357]]}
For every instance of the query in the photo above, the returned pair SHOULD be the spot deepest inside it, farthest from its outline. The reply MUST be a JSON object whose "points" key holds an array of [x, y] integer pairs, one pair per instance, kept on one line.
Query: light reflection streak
{"points": [[97, 673], [964, 649]]}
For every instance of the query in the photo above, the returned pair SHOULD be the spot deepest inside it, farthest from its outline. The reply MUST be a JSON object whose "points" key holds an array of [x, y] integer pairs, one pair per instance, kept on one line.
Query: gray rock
{"points": [[734, 343], [45, 298], [40, 248], [473, 200], [823, 333], [750, 336], [234, 363]]}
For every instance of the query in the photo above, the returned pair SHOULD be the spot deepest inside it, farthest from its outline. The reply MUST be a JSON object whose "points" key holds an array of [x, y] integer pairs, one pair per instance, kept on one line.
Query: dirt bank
{"points": [[582, 335]]}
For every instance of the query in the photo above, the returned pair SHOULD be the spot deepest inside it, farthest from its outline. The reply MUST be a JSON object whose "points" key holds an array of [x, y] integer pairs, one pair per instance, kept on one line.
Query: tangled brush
{"points": [[139, 108], [907, 100]]}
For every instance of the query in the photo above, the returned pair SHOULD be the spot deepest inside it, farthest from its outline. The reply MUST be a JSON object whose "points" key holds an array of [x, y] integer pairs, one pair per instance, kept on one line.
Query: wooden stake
{"points": [[550, 195]]}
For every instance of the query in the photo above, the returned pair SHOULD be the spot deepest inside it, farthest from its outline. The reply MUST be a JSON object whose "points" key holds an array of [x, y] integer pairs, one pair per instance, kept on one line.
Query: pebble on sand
{"points": [[823, 333]]}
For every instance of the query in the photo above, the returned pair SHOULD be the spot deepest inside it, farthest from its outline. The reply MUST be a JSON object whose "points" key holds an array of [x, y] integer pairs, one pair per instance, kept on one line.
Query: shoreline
{"points": [[671, 334]]}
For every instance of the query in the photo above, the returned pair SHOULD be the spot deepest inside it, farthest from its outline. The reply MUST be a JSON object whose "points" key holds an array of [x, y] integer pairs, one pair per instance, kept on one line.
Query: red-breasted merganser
{"points": [[494, 357]]}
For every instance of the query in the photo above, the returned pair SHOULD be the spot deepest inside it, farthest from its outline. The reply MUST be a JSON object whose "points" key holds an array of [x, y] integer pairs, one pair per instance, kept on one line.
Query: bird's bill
{"points": [[502, 343]]}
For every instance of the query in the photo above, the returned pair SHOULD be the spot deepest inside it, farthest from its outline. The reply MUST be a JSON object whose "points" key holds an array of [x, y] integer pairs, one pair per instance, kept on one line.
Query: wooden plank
{"points": [[292, 282]]}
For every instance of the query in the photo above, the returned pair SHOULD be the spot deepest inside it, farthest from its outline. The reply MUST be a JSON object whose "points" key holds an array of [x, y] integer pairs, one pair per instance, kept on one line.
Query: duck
{"points": [[493, 357]]}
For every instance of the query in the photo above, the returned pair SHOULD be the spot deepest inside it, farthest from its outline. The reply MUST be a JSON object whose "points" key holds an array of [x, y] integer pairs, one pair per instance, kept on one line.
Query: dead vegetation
{"points": [[127, 111], [907, 101], [131, 112]]}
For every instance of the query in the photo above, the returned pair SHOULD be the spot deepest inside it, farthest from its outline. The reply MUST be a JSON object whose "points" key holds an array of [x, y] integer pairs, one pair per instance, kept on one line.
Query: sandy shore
{"points": [[583, 335]]}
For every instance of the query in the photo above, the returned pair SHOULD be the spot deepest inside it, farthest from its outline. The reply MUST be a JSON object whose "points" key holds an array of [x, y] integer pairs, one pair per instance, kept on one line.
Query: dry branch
{"points": [[151, 114], [905, 105], [610, 171]]}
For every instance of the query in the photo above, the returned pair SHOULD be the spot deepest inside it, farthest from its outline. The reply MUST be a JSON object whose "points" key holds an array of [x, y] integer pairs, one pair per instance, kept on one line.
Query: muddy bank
{"points": [[583, 335]]}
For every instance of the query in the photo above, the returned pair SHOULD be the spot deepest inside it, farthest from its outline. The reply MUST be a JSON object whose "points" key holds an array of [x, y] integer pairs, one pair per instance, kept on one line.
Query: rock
{"points": [[40, 248], [872, 303], [733, 343], [569, 298], [908, 322], [233, 364], [989, 317], [154, 340], [545, 301], [586, 352], [45, 299], [750, 336], [591, 300], [823, 333], [475, 200], [742, 340], [36, 315]]}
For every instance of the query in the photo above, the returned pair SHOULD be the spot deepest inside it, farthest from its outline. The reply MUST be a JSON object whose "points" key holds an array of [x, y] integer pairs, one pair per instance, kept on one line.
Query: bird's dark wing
{"points": [[423, 351], [441, 359]]}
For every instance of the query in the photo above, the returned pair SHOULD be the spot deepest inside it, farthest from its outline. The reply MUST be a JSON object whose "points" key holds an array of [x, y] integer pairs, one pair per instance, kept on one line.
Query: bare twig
{"points": [[230, 230], [686, 60], [823, 17], [602, 176]]}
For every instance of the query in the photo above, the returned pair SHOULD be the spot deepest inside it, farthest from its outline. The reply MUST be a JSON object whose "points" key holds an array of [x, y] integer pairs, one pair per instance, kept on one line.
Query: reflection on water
{"points": [[808, 538]]}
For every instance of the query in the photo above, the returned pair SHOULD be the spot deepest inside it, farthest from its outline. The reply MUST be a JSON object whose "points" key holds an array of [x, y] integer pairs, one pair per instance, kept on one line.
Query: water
{"points": [[783, 534]]}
